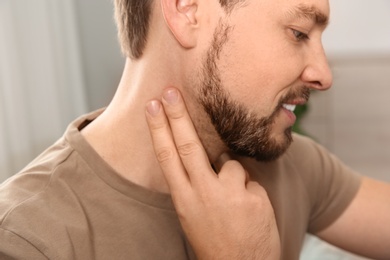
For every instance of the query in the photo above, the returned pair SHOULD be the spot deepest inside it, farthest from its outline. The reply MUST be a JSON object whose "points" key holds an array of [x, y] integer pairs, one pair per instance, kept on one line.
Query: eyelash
{"points": [[300, 35]]}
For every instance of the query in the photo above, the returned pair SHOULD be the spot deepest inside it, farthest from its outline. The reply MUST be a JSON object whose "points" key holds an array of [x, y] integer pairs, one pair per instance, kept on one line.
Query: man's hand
{"points": [[224, 216]]}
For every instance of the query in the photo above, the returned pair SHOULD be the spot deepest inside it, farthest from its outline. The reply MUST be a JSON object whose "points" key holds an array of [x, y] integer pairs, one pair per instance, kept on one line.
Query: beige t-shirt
{"points": [[69, 204]]}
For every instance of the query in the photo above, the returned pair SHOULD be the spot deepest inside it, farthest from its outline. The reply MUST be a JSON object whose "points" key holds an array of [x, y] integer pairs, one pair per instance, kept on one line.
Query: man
{"points": [[241, 66]]}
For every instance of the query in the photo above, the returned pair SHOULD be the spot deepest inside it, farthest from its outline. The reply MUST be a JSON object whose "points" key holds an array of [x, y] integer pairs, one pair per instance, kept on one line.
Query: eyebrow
{"points": [[309, 12]]}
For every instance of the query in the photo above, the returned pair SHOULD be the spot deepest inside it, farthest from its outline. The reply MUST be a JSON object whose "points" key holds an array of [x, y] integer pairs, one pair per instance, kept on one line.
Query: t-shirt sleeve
{"points": [[13, 246], [331, 185]]}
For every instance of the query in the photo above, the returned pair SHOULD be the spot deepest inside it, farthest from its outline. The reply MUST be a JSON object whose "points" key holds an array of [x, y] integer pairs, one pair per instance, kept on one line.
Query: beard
{"points": [[244, 132]]}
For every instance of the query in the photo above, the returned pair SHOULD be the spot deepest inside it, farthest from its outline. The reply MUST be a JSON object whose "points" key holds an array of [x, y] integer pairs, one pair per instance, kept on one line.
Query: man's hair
{"points": [[132, 19]]}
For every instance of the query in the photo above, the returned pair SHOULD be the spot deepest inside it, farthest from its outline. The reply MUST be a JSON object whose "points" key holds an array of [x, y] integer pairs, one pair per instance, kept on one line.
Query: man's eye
{"points": [[300, 35]]}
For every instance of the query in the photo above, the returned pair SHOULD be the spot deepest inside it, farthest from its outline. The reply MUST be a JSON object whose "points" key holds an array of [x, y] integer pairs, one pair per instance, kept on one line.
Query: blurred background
{"points": [[60, 59]]}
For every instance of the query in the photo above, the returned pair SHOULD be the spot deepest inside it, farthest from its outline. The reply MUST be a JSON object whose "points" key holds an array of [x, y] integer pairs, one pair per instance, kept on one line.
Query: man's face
{"points": [[259, 65]]}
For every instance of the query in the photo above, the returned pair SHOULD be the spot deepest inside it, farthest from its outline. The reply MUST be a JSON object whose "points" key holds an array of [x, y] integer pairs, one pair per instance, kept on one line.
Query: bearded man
{"points": [[103, 191]]}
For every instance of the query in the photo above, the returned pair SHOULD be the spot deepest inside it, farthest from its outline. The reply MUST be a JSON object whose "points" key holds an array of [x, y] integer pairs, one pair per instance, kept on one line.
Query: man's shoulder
{"points": [[20, 191], [35, 203]]}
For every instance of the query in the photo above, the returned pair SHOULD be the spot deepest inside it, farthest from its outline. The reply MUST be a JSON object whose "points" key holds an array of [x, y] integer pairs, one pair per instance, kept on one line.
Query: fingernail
{"points": [[153, 107], [171, 96]]}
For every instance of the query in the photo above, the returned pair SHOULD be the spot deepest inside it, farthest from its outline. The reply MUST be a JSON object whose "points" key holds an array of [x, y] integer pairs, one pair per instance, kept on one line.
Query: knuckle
{"points": [[233, 167], [259, 193], [256, 186], [176, 114], [157, 125], [164, 154], [188, 148]]}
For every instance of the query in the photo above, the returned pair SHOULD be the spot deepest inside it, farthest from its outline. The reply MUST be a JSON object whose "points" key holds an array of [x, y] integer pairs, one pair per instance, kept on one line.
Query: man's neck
{"points": [[120, 135]]}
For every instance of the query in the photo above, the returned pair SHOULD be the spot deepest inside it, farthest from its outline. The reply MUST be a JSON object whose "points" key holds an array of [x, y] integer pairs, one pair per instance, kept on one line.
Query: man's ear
{"points": [[181, 18]]}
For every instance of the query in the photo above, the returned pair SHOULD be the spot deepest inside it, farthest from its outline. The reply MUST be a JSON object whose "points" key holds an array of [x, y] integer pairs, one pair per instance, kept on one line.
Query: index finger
{"points": [[165, 150], [188, 144]]}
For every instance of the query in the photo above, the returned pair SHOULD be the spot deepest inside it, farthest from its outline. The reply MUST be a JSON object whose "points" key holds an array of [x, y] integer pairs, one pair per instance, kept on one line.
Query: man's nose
{"points": [[317, 74]]}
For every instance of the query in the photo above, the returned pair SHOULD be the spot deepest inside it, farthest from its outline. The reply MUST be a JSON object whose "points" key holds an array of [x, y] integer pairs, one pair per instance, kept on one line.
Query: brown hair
{"points": [[132, 19]]}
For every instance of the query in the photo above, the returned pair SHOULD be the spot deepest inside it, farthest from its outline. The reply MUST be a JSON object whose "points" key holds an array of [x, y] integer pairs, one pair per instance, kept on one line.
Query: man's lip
{"points": [[290, 114], [296, 102]]}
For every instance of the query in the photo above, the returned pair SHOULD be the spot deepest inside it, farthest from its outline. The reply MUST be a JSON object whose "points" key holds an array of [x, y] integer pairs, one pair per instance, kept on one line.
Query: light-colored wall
{"points": [[358, 27], [102, 59], [41, 81]]}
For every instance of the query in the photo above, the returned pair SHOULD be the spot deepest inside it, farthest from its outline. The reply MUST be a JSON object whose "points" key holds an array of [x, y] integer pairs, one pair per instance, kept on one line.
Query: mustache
{"points": [[303, 93]]}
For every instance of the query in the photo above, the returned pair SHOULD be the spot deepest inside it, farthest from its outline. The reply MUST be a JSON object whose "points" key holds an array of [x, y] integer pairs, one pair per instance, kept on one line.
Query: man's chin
{"points": [[282, 138], [275, 148]]}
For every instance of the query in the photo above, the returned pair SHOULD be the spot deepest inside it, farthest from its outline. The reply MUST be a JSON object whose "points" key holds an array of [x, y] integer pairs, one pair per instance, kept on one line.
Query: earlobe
{"points": [[181, 18]]}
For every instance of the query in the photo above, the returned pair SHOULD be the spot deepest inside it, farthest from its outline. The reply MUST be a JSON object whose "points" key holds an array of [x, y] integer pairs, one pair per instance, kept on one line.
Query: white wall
{"points": [[41, 79], [102, 59], [358, 27]]}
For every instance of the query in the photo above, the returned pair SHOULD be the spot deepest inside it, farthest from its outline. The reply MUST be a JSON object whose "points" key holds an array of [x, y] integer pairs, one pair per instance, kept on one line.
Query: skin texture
{"points": [[236, 75], [244, 132], [274, 48], [204, 200]]}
